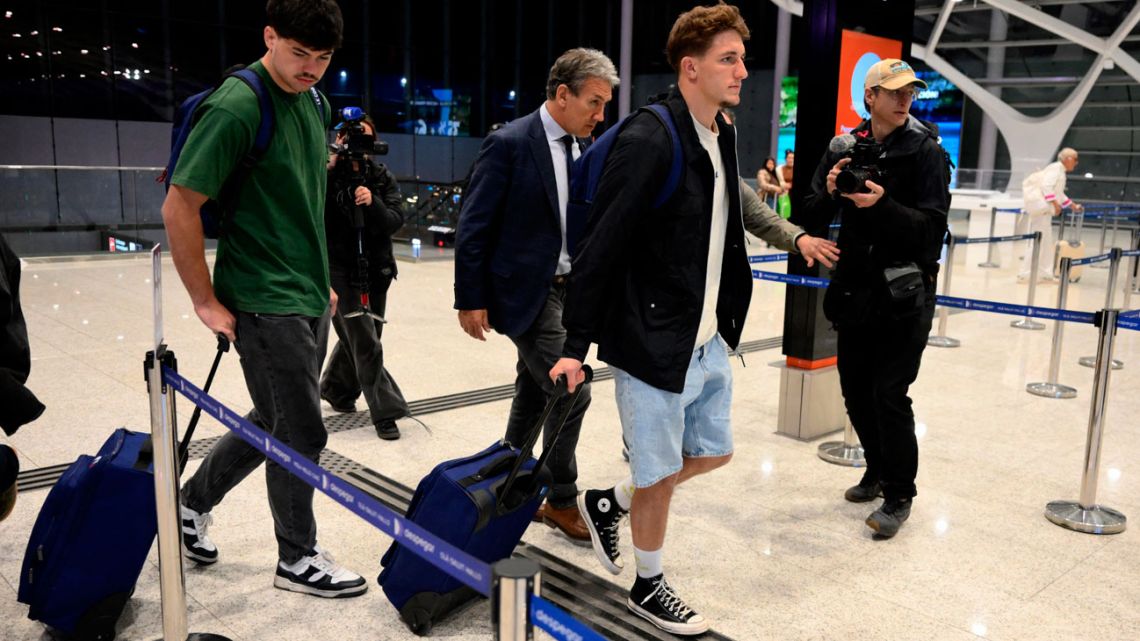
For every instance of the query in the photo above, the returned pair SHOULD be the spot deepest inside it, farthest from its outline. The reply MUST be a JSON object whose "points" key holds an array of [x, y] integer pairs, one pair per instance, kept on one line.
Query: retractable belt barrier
{"points": [[1127, 321], [558, 624], [992, 239], [455, 562], [465, 568], [768, 258], [1088, 260]]}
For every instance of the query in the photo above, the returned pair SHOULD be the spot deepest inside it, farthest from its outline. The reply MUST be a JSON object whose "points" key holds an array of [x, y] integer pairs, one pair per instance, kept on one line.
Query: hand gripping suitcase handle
{"points": [[524, 453]]}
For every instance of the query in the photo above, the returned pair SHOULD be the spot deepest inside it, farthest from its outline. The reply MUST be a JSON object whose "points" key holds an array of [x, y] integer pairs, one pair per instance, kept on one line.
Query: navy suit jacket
{"points": [[509, 234]]}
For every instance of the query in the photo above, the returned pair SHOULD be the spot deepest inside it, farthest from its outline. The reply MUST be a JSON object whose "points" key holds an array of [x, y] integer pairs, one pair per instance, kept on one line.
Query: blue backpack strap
{"points": [[264, 133], [673, 179], [322, 105]]}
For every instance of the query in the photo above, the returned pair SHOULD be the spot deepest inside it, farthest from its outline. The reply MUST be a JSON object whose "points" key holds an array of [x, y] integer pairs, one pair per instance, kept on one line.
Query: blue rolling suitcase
{"points": [[93, 533], [481, 504], [91, 539]]}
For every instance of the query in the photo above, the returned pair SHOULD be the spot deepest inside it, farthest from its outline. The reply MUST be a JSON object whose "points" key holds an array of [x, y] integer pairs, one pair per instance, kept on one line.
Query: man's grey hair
{"points": [[576, 66], [1067, 152]]}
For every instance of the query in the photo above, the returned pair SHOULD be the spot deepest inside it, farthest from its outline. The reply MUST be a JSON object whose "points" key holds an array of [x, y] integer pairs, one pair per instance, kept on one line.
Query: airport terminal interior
{"points": [[764, 548]]}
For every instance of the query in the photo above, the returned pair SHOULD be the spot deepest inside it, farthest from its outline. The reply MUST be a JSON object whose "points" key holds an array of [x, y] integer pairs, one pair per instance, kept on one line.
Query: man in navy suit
{"points": [[511, 261]]}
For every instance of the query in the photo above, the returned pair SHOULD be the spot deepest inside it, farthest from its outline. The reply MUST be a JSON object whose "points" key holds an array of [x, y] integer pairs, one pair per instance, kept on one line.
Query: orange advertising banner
{"points": [[857, 53]]}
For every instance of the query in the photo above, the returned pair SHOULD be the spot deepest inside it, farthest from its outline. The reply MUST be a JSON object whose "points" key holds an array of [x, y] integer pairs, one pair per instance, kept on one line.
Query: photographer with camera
{"points": [[362, 211], [888, 182]]}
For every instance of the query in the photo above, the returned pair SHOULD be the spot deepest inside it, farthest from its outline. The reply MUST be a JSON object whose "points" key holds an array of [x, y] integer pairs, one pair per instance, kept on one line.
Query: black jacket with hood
{"points": [[907, 224], [637, 285]]}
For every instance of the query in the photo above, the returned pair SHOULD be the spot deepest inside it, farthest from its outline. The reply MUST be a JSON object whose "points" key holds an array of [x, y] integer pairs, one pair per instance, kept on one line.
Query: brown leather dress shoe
{"points": [[568, 521]]}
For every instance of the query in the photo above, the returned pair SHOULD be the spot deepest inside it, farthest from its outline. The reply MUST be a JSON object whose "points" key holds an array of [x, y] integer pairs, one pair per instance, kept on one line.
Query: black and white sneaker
{"points": [[196, 546], [602, 514], [318, 574], [655, 601]]}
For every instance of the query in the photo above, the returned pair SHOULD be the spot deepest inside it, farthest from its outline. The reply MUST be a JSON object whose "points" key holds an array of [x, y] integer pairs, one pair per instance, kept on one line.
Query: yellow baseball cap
{"points": [[891, 73]]}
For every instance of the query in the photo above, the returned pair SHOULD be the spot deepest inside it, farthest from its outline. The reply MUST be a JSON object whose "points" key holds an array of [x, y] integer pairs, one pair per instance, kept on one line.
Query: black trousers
{"points": [[356, 365], [281, 358], [877, 363], [539, 347]]}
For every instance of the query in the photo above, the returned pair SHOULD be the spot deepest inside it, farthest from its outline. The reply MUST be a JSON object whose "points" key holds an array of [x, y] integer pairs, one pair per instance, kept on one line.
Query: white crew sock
{"points": [[623, 492], [648, 563]]}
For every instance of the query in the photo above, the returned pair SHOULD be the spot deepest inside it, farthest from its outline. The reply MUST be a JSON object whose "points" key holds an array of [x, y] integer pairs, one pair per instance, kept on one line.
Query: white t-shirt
{"points": [[707, 328]]}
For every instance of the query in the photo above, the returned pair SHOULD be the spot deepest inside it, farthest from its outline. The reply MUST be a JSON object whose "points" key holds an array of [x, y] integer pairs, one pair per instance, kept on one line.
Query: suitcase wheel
{"points": [[99, 622], [418, 620]]}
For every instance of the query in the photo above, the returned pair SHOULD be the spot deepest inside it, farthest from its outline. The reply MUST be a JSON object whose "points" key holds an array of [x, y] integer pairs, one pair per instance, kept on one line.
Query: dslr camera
{"points": [[357, 143], [863, 166]]}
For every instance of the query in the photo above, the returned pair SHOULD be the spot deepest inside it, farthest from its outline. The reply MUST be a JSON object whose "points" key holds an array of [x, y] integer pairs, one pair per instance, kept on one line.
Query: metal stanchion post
{"points": [[164, 441], [942, 340], [989, 262], [846, 452], [1113, 270], [1051, 388], [1035, 263], [514, 581], [1133, 282], [1085, 515]]}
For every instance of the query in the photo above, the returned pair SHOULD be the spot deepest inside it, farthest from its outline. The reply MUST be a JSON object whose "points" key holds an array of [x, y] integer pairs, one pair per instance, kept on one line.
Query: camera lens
{"points": [[850, 181]]}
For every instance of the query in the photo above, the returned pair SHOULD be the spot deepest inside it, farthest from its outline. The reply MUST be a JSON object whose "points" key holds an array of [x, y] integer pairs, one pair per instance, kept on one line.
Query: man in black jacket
{"points": [[664, 292], [897, 221], [357, 361]]}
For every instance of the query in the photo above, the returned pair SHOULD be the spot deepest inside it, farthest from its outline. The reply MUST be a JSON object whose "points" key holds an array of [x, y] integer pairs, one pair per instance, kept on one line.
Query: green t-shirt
{"points": [[272, 257]]}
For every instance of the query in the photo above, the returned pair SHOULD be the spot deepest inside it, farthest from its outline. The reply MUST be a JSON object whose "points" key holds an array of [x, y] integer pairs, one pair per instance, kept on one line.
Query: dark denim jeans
{"points": [[357, 361], [539, 347], [281, 358]]}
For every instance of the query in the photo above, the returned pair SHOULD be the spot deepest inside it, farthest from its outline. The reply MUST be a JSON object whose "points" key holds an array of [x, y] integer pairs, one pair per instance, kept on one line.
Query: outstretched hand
{"points": [[813, 248]]}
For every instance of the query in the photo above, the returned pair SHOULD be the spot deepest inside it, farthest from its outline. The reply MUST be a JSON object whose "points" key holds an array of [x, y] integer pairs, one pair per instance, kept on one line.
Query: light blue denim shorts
{"points": [[662, 428]]}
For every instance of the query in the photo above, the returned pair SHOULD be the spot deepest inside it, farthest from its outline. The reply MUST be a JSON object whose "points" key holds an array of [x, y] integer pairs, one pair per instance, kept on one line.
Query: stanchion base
{"points": [[204, 636], [1090, 361], [989, 265], [1096, 519], [1051, 390], [1025, 323], [943, 341], [841, 453]]}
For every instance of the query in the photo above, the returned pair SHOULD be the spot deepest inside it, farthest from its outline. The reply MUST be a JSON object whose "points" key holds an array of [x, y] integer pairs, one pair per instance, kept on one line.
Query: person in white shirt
{"points": [[1043, 196]]}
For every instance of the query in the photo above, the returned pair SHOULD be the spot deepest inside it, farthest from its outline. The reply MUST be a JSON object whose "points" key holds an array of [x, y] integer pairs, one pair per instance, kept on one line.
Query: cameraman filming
{"points": [[362, 211], [889, 184]]}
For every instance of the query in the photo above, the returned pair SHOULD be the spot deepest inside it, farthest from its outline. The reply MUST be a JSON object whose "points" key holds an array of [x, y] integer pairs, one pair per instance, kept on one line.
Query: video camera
{"points": [[864, 153], [358, 143]]}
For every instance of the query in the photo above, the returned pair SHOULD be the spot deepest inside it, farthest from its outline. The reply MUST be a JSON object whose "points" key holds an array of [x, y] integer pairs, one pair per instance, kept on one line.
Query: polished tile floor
{"points": [[765, 548]]}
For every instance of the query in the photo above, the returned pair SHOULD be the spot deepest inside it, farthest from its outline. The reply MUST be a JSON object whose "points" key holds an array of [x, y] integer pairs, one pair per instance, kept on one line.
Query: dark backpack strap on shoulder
{"points": [[228, 196], [673, 179], [265, 128], [322, 105]]}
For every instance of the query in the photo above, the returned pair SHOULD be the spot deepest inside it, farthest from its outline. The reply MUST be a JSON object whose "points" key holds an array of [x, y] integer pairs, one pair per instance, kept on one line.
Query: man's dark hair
{"points": [[317, 24]]}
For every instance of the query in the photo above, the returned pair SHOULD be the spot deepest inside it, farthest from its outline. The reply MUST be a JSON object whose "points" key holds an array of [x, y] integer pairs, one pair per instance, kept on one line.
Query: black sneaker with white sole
{"points": [[196, 546], [319, 575], [654, 600], [602, 514]]}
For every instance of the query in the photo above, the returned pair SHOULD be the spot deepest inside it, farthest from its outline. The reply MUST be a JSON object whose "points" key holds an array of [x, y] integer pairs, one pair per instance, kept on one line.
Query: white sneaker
{"points": [[319, 575], [196, 546]]}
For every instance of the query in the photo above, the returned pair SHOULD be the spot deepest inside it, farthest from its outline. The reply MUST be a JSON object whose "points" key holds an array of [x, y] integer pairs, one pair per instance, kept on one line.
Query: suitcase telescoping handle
{"points": [[184, 446], [532, 438]]}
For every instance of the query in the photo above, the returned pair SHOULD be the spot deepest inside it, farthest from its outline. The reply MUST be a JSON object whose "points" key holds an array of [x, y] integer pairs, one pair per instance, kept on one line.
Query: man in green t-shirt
{"points": [[270, 293]]}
